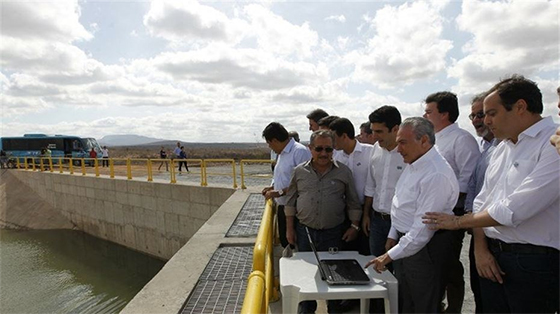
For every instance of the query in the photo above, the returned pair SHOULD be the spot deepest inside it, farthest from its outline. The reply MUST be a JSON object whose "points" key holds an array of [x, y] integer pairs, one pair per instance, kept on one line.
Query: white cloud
{"points": [[407, 46], [511, 36], [52, 20], [248, 68], [277, 35], [338, 18], [189, 20]]}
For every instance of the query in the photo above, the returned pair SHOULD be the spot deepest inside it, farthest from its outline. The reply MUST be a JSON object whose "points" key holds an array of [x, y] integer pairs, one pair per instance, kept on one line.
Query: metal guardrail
{"points": [[248, 161], [130, 167], [262, 288]]}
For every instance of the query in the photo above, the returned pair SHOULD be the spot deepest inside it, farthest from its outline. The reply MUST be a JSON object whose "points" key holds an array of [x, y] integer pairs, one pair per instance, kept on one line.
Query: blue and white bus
{"points": [[30, 145]]}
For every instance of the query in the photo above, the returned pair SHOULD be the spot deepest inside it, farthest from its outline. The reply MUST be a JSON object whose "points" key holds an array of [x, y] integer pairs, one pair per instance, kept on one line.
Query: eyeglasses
{"points": [[479, 115], [321, 148]]}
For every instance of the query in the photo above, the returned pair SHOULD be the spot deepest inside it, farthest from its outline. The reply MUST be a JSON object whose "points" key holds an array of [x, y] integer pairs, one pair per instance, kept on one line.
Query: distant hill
{"points": [[127, 140]]}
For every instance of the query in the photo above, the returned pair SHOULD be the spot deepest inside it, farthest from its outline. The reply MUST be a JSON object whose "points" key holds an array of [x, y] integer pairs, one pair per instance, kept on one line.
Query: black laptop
{"points": [[339, 271]]}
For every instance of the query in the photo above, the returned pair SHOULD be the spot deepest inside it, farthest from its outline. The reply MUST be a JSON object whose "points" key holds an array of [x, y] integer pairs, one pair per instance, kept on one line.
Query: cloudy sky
{"points": [[220, 71]]}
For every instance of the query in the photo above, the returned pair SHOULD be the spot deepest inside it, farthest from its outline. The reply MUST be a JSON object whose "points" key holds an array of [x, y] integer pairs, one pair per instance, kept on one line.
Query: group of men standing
{"points": [[409, 198]]}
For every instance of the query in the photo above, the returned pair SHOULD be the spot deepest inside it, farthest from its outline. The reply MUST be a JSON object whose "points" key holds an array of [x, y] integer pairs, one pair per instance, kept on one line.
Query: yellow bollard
{"points": [[234, 175], [83, 166], [96, 165], [111, 168], [149, 164], [60, 161], [18, 164], [128, 169], [41, 164], [204, 179], [33, 163], [50, 165], [172, 168], [71, 165], [242, 175]]}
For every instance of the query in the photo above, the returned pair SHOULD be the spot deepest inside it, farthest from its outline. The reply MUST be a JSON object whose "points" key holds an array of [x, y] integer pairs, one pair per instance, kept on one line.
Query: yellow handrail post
{"points": [[71, 165], [234, 175], [33, 163], [205, 167], [83, 166], [25, 164], [172, 171], [242, 175], [255, 286], [41, 164], [18, 164], [60, 161], [128, 169], [111, 168], [203, 177], [150, 179], [50, 164], [96, 165]]}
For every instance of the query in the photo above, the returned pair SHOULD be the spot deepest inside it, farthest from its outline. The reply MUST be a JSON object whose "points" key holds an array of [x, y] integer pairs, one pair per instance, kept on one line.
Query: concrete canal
{"points": [[67, 271]]}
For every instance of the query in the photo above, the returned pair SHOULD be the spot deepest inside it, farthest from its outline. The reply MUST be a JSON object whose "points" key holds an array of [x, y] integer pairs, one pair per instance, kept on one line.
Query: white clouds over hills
{"points": [[220, 71]]}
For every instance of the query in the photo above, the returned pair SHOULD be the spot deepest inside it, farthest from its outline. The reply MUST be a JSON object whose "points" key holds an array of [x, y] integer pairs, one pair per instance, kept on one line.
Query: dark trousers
{"points": [[323, 240], [475, 280], [183, 163], [530, 283], [422, 276], [378, 232], [281, 217], [455, 280]]}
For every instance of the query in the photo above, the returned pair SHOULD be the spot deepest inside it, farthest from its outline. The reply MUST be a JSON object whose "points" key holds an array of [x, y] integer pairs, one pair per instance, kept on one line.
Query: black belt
{"points": [[383, 216], [459, 211], [523, 248]]}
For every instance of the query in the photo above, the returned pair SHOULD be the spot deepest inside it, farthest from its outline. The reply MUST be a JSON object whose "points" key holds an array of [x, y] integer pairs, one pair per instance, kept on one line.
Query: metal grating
{"points": [[222, 285], [216, 297], [249, 218], [229, 263]]}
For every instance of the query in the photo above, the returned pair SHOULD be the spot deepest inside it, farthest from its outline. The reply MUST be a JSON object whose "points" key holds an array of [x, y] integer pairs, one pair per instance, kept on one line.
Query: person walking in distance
{"points": [[163, 157]]}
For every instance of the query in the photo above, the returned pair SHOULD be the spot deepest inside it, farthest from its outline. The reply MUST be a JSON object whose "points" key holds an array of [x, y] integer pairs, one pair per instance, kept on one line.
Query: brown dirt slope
{"points": [[22, 208]]}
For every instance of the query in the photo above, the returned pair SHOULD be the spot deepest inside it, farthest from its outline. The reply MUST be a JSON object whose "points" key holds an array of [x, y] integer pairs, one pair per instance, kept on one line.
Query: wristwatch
{"points": [[280, 192], [355, 227]]}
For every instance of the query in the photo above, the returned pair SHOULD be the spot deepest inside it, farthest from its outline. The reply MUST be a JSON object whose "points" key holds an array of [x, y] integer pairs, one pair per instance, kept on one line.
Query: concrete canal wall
{"points": [[150, 217]]}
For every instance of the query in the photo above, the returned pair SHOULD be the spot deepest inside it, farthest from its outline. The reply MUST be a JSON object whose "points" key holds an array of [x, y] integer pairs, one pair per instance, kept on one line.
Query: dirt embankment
{"points": [[22, 208]]}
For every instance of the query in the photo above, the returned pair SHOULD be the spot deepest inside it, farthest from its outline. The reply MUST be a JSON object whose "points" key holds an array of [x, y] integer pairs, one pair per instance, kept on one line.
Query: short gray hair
{"points": [[479, 97], [420, 126], [321, 133]]}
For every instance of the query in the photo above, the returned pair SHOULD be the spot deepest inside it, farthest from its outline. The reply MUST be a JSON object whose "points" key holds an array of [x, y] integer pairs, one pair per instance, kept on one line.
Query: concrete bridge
{"points": [[208, 250]]}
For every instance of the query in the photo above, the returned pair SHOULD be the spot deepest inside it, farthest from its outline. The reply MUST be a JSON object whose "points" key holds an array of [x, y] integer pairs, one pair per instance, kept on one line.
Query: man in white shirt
{"points": [[357, 157], [385, 169], [290, 154], [420, 255], [518, 204], [461, 151], [366, 134]]}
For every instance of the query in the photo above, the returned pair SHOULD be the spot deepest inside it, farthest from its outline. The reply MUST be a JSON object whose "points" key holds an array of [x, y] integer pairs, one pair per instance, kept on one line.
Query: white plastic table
{"points": [[300, 280]]}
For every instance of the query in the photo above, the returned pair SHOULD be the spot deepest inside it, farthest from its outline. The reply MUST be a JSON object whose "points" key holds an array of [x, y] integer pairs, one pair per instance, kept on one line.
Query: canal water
{"points": [[66, 271]]}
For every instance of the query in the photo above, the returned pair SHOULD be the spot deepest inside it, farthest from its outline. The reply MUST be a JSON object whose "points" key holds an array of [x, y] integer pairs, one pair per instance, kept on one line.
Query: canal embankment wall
{"points": [[156, 218]]}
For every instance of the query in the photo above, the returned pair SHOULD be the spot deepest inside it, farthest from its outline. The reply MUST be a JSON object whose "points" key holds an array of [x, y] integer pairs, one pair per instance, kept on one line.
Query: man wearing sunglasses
{"points": [[325, 194], [461, 151], [487, 145]]}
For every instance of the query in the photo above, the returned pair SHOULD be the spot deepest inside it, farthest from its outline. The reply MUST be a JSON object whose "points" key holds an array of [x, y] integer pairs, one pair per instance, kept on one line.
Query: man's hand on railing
{"points": [[268, 188]]}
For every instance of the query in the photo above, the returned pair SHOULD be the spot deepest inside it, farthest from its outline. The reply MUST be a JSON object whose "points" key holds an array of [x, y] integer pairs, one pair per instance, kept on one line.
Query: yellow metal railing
{"points": [[144, 168], [248, 161], [262, 287], [232, 173]]}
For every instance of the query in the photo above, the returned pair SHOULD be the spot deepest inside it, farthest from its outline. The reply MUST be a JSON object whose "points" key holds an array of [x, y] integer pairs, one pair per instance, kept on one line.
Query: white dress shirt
{"points": [[426, 185], [384, 171], [358, 161], [292, 155], [461, 151], [521, 188]]}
